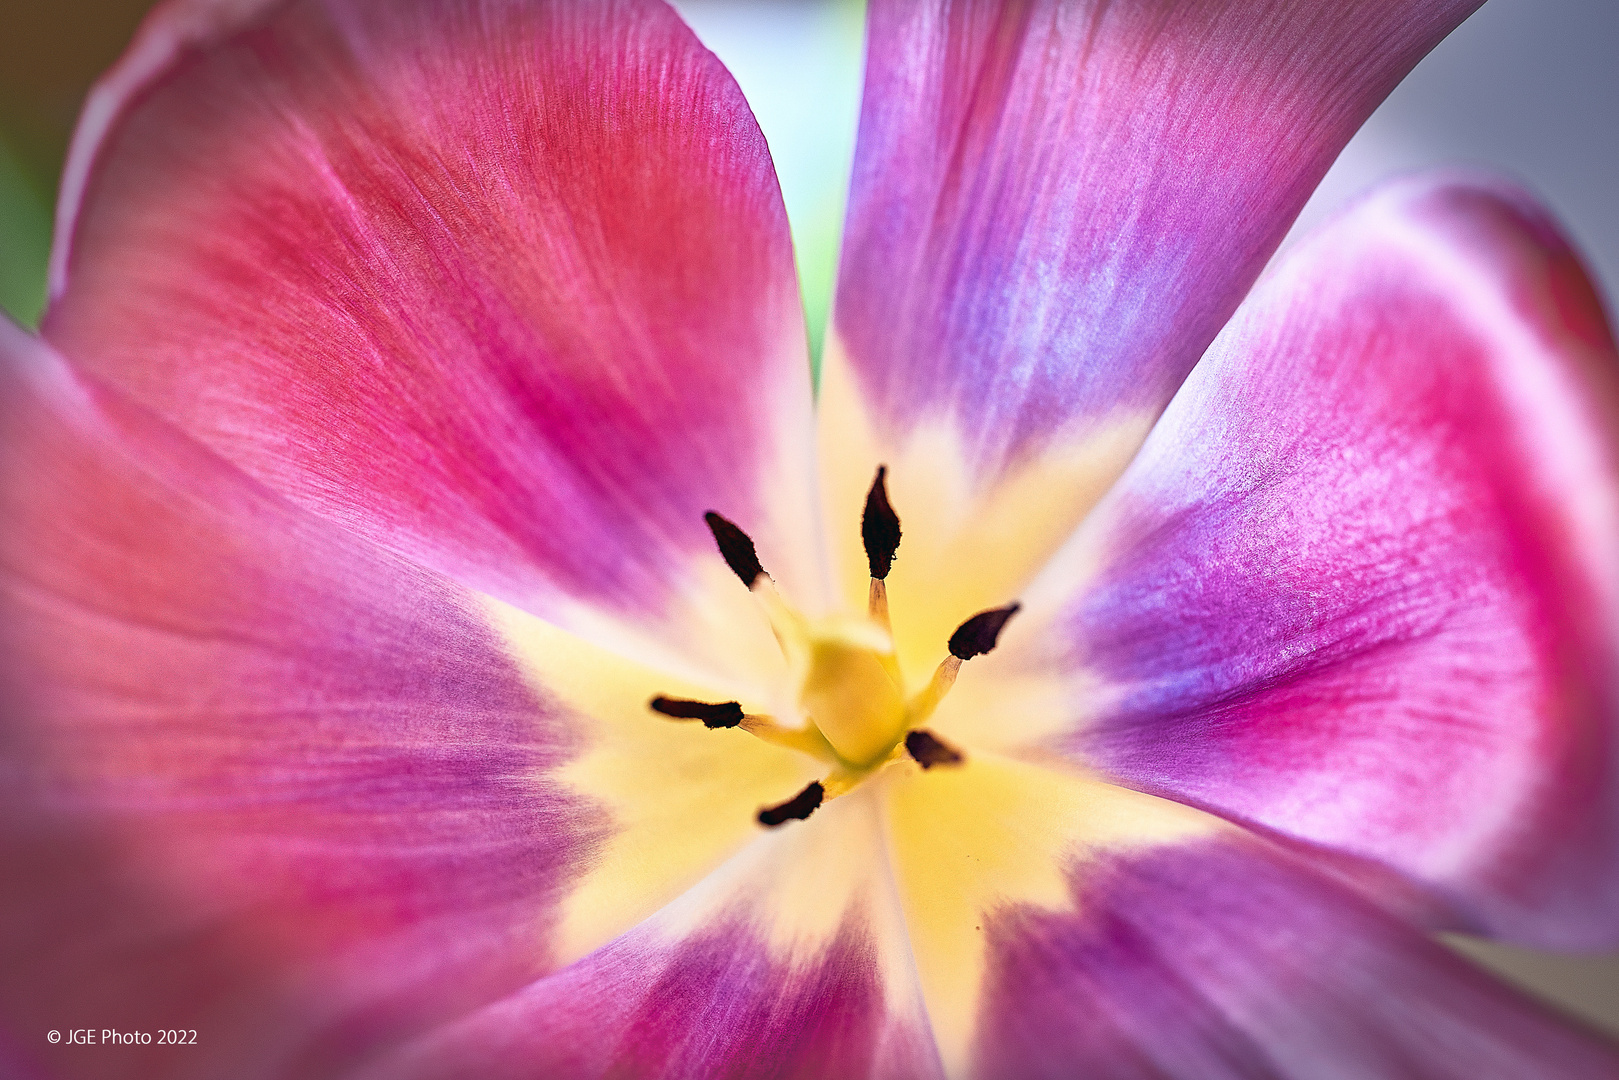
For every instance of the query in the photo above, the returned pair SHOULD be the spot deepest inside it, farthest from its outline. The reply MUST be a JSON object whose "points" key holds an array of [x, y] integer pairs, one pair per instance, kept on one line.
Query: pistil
{"points": [[851, 690]]}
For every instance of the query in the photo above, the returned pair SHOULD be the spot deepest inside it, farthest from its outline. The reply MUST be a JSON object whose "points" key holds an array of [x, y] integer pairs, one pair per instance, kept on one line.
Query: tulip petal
{"points": [[1063, 926], [791, 961], [260, 780], [972, 840], [1229, 959], [1055, 207], [676, 800], [1361, 586], [504, 287]]}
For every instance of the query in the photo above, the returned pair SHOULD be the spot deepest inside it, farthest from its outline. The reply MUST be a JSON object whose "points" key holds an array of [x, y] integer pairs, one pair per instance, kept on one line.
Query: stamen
{"points": [[850, 689], [879, 527], [736, 547], [975, 637], [740, 555], [807, 739], [920, 707], [879, 531], [725, 714], [843, 780], [877, 603], [978, 635], [797, 808], [930, 750]]}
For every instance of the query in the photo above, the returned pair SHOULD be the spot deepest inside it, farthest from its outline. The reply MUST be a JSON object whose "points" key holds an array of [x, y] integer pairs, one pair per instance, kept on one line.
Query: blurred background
{"points": [[1525, 87]]}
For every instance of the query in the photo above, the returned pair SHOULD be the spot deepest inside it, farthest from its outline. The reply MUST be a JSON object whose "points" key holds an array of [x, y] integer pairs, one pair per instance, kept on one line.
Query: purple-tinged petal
{"points": [[971, 840], [1055, 207], [790, 962], [505, 287], [1229, 959], [259, 779], [1063, 926], [1361, 586]]}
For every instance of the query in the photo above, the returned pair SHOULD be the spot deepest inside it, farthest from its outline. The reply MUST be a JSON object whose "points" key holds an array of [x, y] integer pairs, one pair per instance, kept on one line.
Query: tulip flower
{"points": [[446, 636]]}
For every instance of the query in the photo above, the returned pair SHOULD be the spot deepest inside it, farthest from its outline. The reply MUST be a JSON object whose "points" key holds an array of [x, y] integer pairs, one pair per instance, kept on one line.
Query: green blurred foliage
{"points": [[25, 240], [50, 52], [817, 219]]}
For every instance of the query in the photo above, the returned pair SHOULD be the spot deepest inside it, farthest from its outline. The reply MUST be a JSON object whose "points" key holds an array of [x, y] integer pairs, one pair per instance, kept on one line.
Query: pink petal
{"points": [[1362, 585], [791, 962], [505, 287], [259, 780], [1056, 205], [1232, 959]]}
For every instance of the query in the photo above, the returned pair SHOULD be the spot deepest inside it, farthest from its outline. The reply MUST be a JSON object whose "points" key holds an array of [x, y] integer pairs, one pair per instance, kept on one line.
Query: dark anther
{"points": [[977, 635], [797, 808], [721, 715], [879, 527], [737, 549], [930, 750]]}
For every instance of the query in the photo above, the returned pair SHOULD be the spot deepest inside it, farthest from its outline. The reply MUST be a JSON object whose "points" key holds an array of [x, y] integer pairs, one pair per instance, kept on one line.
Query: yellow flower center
{"points": [[850, 688]]}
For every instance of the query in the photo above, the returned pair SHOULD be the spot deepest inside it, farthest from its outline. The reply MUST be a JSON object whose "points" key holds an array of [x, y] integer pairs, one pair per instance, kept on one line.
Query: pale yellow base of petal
{"points": [[802, 885], [995, 832], [970, 542], [712, 632], [678, 800]]}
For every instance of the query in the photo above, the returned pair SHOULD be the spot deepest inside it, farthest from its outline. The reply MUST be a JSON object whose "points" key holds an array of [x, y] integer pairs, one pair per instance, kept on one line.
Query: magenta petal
{"points": [[789, 961], [715, 1005], [1056, 205], [259, 779], [1229, 960], [1362, 584], [505, 287]]}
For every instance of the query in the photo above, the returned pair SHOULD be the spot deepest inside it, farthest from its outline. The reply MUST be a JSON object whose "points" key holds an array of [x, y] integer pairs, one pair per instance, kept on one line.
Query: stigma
{"points": [[854, 713]]}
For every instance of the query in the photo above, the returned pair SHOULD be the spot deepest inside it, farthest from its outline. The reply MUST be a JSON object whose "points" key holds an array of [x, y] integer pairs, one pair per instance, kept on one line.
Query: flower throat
{"points": [[849, 683]]}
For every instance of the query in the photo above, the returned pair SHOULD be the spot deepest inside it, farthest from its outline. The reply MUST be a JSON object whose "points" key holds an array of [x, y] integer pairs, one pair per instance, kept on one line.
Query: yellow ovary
{"points": [[851, 691]]}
